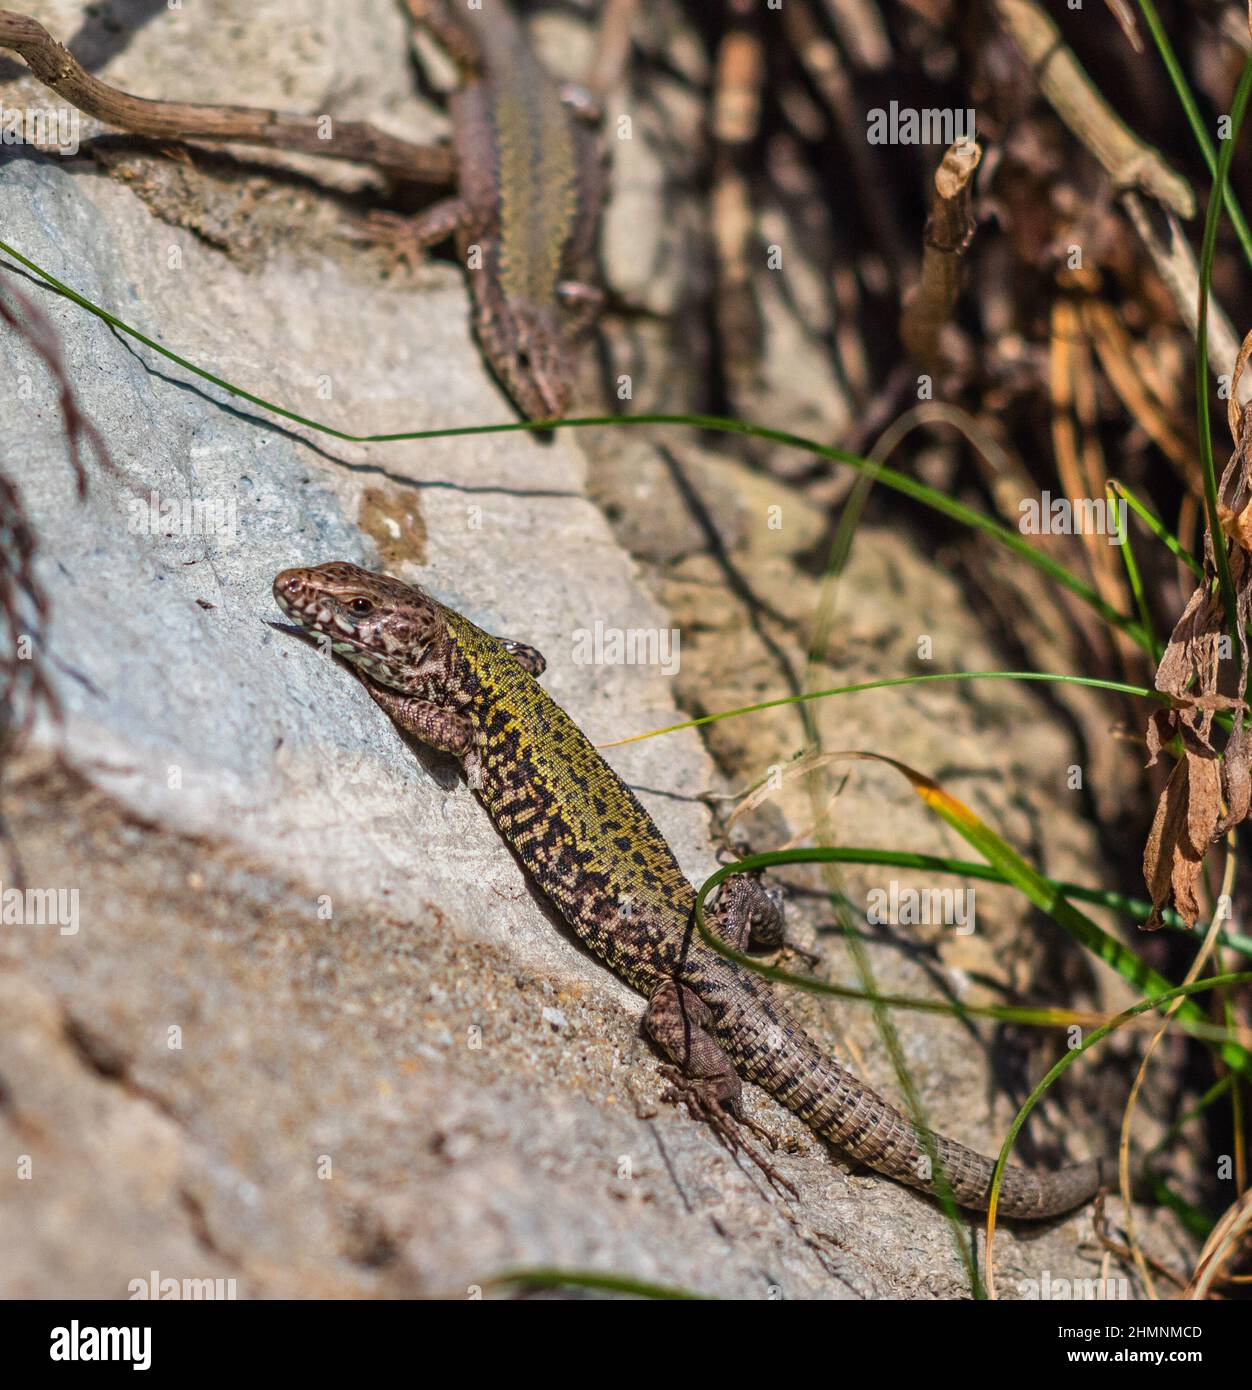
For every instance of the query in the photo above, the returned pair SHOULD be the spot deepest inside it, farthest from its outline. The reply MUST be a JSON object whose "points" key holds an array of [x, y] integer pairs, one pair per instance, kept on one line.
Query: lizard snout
{"points": [[290, 588]]}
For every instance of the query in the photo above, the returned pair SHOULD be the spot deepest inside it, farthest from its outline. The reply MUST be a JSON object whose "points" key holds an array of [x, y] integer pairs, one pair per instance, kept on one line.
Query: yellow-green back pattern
{"points": [[573, 822]]}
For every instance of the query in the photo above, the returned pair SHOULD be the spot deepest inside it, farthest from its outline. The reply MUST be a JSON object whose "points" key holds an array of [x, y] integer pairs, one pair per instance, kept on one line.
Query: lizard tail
{"points": [[867, 1128], [774, 1052]]}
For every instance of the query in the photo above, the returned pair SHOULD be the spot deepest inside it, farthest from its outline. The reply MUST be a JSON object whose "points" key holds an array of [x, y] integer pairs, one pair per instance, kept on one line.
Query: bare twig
{"points": [[1076, 446], [1117, 353], [614, 28], [1125, 17], [1123, 1148], [740, 75], [1074, 97], [861, 32], [825, 66], [54, 65], [949, 230], [1099, 1220], [1225, 1242], [1176, 265]]}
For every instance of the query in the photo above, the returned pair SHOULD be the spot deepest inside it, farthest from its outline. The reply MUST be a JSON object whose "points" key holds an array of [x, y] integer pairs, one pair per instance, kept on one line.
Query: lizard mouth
{"points": [[310, 609], [313, 613]]}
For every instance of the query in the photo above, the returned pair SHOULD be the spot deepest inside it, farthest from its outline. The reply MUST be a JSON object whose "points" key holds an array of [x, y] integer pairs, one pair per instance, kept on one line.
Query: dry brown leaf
{"points": [[1238, 778], [1238, 526], [1182, 830], [1202, 674]]}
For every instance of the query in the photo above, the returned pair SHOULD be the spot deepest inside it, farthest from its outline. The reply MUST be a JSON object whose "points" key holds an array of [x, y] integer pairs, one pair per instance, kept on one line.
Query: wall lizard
{"points": [[599, 857]]}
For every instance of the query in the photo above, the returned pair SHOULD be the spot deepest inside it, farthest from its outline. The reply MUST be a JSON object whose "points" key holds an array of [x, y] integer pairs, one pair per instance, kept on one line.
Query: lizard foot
{"points": [[394, 234], [811, 958], [705, 1104]]}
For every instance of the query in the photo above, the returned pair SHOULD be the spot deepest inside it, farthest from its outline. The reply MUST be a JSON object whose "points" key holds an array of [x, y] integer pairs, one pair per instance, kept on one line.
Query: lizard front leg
{"points": [[746, 915], [408, 238], [434, 725]]}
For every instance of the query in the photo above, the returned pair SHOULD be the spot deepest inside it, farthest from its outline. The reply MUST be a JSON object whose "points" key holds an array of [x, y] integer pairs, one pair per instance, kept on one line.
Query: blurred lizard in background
{"points": [[524, 159]]}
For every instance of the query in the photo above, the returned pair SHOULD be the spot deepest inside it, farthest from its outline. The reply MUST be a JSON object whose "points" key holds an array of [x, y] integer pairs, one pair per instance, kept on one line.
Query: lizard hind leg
{"points": [[702, 1075], [746, 914]]}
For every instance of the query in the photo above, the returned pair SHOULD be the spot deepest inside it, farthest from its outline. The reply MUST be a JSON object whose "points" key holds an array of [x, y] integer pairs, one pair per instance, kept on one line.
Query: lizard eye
{"points": [[523, 360], [361, 605]]}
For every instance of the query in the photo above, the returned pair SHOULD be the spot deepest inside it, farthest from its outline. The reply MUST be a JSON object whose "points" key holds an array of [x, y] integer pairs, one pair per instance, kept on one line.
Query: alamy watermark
{"points": [[1046, 515], [628, 646], [46, 127], [154, 1287], [87, 1343], [1048, 1289], [40, 907], [927, 907], [155, 515], [907, 125]]}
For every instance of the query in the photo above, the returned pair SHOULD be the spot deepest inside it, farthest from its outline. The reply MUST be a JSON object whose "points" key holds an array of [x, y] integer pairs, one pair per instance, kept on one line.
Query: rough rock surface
{"points": [[314, 1032]]}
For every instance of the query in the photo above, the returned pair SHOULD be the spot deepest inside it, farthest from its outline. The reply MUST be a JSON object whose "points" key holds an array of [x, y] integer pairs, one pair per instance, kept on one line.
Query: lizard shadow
{"points": [[446, 773]]}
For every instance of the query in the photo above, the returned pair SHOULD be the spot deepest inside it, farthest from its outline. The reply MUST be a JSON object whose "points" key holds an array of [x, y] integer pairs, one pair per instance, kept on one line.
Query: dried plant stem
{"points": [[1117, 353], [1123, 1148], [1130, 162], [1075, 443], [54, 65], [616, 23], [24, 608], [1228, 1237], [1175, 263], [949, 230]]}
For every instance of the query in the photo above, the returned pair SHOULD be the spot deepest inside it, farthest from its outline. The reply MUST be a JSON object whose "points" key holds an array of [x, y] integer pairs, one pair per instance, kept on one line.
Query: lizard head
{"points": [[534, 360], [387, 629]]}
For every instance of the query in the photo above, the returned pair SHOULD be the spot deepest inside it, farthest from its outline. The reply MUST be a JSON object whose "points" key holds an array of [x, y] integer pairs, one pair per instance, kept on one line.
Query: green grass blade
{"points": [[1158, 529], [1194, 119], [1133, 578], [1119, 686], [1151, 1002], [1128, 906], [1189, 1018], [553, 1277]]}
